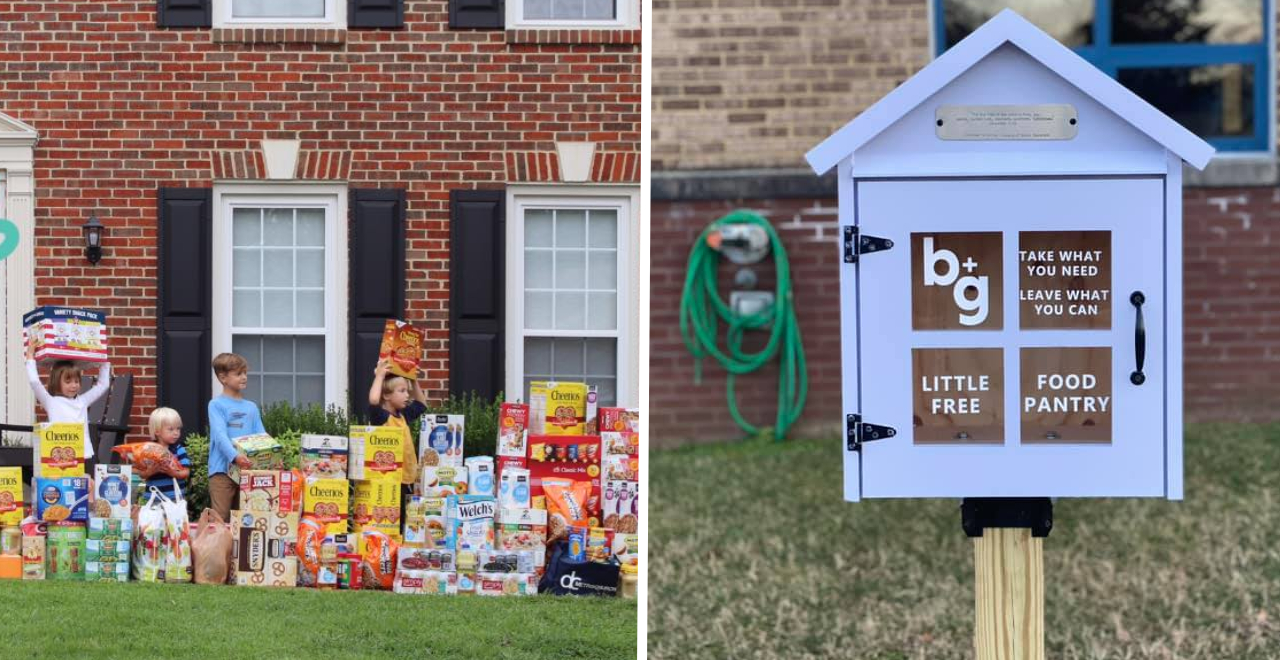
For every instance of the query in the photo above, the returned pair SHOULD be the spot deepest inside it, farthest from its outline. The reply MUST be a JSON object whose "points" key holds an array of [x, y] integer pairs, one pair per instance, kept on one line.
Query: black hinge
{"points": [[856, 243], [857, 433]]}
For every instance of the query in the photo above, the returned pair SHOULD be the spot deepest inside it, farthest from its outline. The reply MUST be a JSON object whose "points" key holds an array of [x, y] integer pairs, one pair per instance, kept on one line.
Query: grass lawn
{"points": [[74, 620], [754, 554]]}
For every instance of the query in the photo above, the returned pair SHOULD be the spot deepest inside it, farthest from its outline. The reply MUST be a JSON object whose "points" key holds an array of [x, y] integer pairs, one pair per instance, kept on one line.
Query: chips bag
{"points": [[149, 459], [566, 506], [310, 538], [378, 561]]}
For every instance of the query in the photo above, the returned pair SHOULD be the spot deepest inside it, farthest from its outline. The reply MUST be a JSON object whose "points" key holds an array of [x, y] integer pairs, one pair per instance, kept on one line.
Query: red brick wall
{"points": [[1231, 314], [123, 108]]}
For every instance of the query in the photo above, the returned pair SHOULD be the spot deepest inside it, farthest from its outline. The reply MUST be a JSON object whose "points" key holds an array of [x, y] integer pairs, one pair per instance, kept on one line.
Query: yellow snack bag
{"points": [[326, 500], [61, 450], [10, 496]]}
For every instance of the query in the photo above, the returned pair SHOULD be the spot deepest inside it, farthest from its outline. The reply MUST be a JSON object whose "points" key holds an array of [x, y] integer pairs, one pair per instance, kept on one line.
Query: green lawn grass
{"points": [[136, 620], [755, 555]]}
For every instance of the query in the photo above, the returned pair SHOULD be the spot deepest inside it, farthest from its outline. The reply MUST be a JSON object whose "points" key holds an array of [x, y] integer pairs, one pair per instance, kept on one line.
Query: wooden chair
{"points": [[108, 426]]}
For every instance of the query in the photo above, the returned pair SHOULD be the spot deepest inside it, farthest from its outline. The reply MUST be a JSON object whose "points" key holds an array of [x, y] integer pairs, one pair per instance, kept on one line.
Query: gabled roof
{"points": [[1009, 27], [13, 130]]}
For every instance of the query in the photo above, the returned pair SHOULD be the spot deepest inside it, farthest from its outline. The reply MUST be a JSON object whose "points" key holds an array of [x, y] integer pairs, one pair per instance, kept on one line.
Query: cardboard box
{"points": [[378, 507], [424, 559], [506, 584], [619, 420], [418, 582], [278, 491], [106, 551], [263, 451], [523, 529], [10, 567], [111, 529], [402, 343], [356, 436], [441, 439], [480, 476], [622, 506], [328, 501], [107, 571], [442, 481], [558, 408], [471, 520], [63, 499], [576, 458], [65, 551], [513, 430], [619, 443], [112, 491], [384, 454], [513, 489], [33, 557], [60, 448], [10, 496], [263, 552], [66, 333], [620, 467], [324, 456]]}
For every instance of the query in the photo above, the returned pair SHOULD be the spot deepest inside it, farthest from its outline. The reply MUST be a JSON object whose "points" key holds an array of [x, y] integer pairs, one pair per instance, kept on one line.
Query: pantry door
{"points": [[998, 338]]}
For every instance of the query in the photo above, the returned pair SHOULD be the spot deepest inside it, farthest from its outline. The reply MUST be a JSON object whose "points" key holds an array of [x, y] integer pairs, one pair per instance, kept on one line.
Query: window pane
{"points": [[607, 390], [246, 227], [537, 269], [571, 272], [310, 309], [571, 228], [246, 267], [277, 268], [311, 268], [566, 9], [277, 355], [600, 367], [1068, 21], [599, 9], [537, 311], [568, 358], [310, 354], [604, 229], [276, 389], [250, 348], [311, 227], [570, 311], [538, 225], [278, 227], [254, 389], [277, 8], [537, 356], [603, 272], [1210, 101], [537, 9], [310, 391], [602, 357], [1187, 21], [279, 309], [602, 311], [246, 309]]}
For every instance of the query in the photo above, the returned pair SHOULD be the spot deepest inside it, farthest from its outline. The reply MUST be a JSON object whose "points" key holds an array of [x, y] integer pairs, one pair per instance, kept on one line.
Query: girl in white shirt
{"points": [[63, 401]]}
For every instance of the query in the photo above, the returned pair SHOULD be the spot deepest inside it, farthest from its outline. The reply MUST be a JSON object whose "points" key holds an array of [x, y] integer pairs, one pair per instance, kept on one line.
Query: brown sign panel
{"points": [[956, 281], [1064, 280], [1066, 395], [958, 395]]}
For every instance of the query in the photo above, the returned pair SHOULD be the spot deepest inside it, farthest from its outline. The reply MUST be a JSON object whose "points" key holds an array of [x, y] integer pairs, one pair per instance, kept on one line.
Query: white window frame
{"points": [[335, 17], [626, 200], [628, 18], [333, 198]]}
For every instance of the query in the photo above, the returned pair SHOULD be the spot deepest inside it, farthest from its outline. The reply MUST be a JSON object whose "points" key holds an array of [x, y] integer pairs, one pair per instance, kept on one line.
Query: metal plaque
{"points": [[1006, 122]]}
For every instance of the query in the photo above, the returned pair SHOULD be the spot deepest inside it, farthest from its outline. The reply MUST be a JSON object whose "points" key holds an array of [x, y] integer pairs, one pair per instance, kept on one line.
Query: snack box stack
{"points": [[375, 466], [513, 437], [108, 548], [377, 508], [66, 333], [621, 505], [65, 550], [471, 529], [263, 452], [271, 491], [501, 573], [421, 571]]}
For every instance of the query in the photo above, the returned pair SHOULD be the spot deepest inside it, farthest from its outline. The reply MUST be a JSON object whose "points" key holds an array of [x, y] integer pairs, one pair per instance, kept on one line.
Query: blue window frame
{"points": [[1209, 72]]}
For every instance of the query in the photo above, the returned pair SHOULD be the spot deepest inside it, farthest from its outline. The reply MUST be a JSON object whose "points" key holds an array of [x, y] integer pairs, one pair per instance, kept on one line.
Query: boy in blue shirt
{"points": [[230, 416], [166, 429]]}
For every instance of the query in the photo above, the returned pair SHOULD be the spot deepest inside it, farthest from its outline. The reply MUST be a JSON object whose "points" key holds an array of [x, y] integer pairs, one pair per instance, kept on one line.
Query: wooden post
{"points": [[1008, 565]]}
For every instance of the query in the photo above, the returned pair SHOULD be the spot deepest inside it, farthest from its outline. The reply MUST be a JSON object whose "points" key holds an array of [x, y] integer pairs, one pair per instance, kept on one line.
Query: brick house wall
{"points": [[741, 94], [124, 108]]}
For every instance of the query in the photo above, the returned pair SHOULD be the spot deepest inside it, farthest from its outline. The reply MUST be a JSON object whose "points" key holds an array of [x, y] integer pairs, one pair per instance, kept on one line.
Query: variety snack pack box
{"points": [[66, 333], [574, 458], [263, 452]]}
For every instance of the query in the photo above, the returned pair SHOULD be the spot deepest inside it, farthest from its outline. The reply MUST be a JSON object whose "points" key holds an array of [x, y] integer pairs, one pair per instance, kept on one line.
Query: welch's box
{"points": [[66, 333]]}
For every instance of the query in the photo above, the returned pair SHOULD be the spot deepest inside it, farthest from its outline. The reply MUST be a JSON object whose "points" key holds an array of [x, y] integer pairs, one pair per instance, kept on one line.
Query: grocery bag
{"points": [[150, 540], [567, 577], [211, 549], [177, 561]]}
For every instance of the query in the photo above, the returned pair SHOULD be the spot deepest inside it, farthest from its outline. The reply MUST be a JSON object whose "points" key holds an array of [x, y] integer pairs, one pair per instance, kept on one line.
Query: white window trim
{"points": [[334, 198], [628, 19], [627, 200], [17, 163], [335, 17]]}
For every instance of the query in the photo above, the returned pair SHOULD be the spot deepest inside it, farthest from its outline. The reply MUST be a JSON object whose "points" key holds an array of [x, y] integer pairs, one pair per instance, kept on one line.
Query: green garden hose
{"points": [[702, 308]]}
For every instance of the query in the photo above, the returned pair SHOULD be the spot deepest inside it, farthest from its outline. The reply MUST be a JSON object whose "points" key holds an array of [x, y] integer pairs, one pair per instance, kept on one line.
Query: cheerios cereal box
{"points": [[10, 496], [327, 501], [402, 344], [377, 507], [558, 408], [384, 454], [61, 448]]}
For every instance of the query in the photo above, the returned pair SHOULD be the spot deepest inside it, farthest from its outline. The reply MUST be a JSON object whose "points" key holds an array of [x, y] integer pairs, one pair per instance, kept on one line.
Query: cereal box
{"points": [[384, 454], [622, 506], [61, 450], [471, 519], [65, 333], [513, 429], [576, 458], [402, 343], [112, 488], [278, 491], [10, 495], [558, 408], [441, 439], [62, 499], [324, 456], [513, 489], [506, 584], [327, 501], [33, 557], [378, 507], [263, 452], [480, 480]]}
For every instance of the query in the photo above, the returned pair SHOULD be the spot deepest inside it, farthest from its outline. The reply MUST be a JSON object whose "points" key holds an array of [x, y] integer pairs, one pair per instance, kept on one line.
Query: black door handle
{"points": [[1139, 339]]}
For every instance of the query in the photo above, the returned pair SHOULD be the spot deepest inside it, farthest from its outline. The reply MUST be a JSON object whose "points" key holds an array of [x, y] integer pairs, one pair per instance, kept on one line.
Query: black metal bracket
{"points": [[856, 243], [978, 513], [857, 433]]}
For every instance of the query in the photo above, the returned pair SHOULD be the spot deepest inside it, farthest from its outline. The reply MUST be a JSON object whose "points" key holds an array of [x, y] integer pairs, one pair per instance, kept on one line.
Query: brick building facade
{"points": [[278, 178], [743, 89]]}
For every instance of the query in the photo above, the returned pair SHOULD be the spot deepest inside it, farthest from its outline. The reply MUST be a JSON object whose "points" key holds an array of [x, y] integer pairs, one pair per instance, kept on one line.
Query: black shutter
{"points": [[377, 245], [184, 294], [184, 13], [477, 279], [482, 14], [375, 13]]}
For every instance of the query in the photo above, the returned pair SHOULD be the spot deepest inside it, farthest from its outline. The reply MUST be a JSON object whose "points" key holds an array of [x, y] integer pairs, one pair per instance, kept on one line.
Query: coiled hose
{"points": [[702, 309]]}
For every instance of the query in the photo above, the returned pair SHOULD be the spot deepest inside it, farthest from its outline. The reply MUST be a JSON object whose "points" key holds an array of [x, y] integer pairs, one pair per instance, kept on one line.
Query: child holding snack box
{"points": [[230, 416], [63, 401], [389, 405], [166, 429]]}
